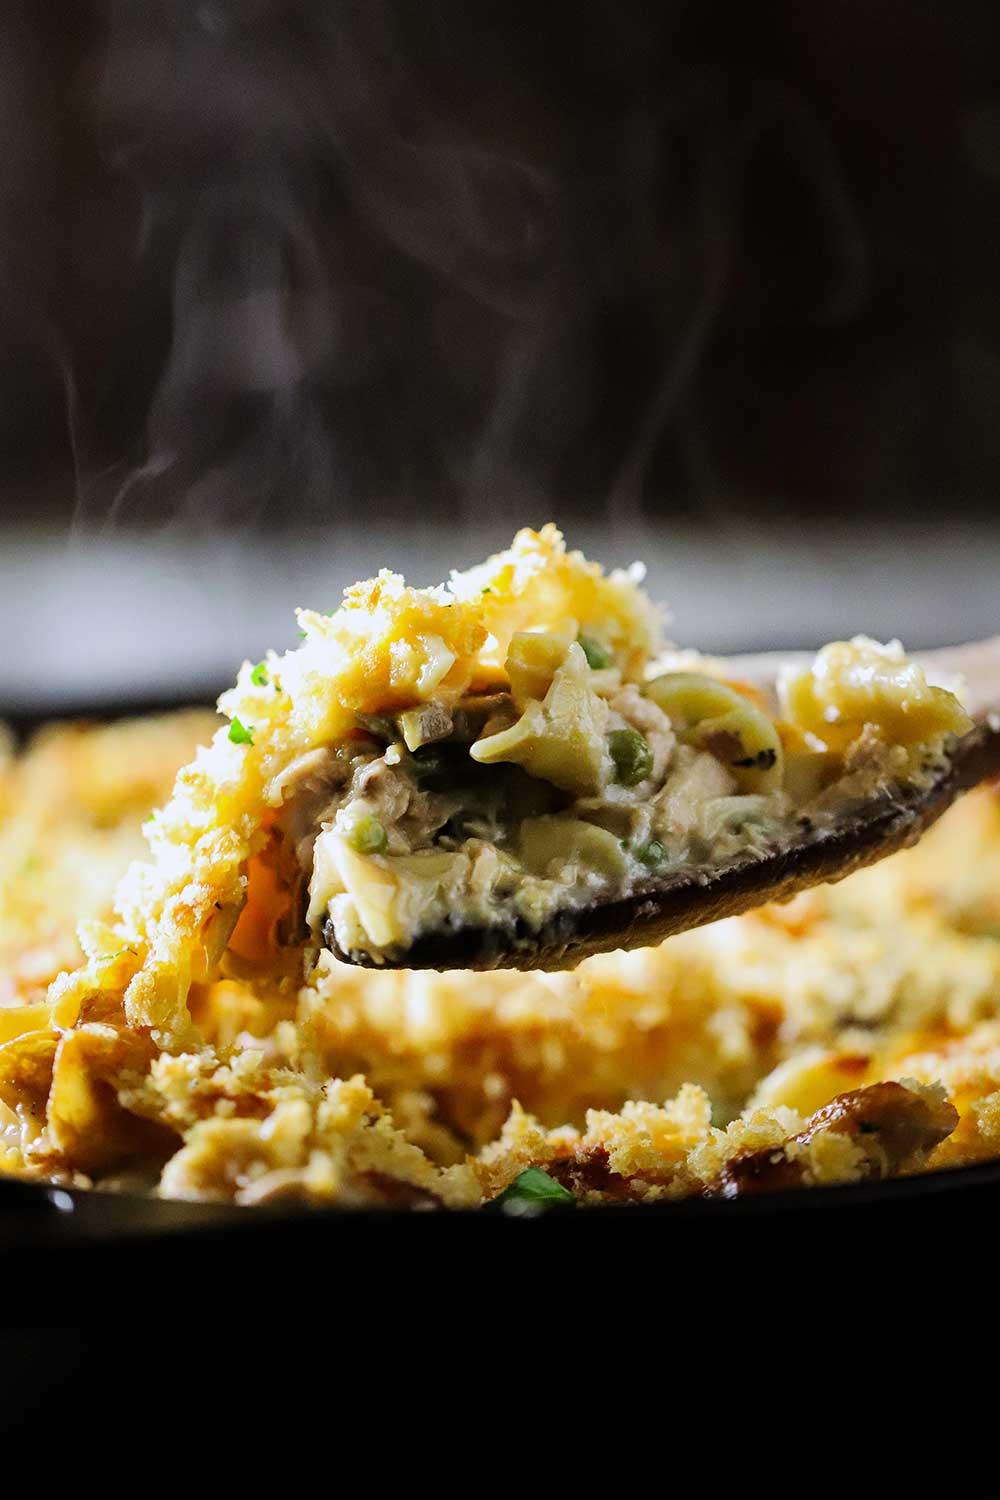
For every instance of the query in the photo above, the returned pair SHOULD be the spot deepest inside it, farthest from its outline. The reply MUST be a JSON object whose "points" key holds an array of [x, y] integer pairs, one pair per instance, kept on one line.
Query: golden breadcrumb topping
{"points": [[172, 1046]]}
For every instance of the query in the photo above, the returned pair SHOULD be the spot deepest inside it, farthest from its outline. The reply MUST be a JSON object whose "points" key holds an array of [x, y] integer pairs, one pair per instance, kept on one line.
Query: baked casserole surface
{"points": [[178, 1024]]}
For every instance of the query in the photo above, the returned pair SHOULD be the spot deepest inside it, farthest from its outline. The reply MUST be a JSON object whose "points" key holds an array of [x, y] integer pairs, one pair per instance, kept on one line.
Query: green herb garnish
{"points": [[631, 754], [259, 676], [240, 733], [109, 958], [535, 1188], [598, 656]]}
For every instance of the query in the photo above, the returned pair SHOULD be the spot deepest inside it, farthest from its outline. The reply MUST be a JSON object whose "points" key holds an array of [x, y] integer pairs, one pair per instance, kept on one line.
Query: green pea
{"points": [[367, 836], [631, 754], [598, 656], [652, 854]]}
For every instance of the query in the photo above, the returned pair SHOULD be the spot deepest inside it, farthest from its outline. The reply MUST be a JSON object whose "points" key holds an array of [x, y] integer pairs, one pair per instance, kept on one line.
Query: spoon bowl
{"points": [[862, 834]]}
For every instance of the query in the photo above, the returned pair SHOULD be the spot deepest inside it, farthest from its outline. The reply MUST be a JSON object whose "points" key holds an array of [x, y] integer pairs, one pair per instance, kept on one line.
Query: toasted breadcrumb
{"points": [[439, 1090], [151, 1049]]}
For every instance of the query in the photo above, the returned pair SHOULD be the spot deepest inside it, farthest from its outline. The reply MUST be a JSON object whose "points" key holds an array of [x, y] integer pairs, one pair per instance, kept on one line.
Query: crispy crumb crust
{"points": [[360, 1088], [388, 644], [404, 1088], [174, 1058], [71, 810]]}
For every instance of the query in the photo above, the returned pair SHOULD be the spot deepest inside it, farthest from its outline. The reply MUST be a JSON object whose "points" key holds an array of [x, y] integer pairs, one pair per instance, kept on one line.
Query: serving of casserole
{"points": [[496, 754]]}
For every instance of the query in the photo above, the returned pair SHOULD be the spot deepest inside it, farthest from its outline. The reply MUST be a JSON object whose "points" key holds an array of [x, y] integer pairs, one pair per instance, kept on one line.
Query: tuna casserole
{"points": [[410, 763], [494, 756]]}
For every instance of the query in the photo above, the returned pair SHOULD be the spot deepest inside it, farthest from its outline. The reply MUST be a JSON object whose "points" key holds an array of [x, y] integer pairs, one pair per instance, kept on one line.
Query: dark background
{"points": [[286, 259], [293, 289]]}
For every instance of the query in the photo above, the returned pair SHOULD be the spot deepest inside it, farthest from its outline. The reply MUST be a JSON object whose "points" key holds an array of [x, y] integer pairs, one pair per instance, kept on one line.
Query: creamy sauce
{"points": [[509, 810]]}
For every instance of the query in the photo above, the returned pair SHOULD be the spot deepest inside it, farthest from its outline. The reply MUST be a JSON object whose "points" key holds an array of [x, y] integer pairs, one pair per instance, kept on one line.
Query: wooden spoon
{"points": [[892, 819]]}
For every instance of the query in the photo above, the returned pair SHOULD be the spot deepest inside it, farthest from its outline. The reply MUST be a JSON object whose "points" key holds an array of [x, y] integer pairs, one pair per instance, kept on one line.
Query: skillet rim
{"points": [[38, 1215]]}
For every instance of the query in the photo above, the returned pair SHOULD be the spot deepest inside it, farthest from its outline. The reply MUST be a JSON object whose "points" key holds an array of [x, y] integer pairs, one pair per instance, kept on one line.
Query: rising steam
{"points": [[383, 255]]}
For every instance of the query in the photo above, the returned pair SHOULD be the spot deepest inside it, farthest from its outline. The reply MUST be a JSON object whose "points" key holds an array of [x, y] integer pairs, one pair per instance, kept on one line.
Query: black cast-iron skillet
{"points": [[72, 1256]]}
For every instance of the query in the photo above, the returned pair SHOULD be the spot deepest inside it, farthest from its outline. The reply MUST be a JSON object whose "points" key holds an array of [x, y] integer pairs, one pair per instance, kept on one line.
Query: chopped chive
{"points": [[259, 676], [631, 754], [533, 1187], [240, 733], [598, 656], [109, 958]]}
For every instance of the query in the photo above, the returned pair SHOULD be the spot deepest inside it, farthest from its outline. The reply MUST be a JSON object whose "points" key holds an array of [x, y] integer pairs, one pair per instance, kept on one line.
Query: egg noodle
{"points": [[180, 1023]]}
